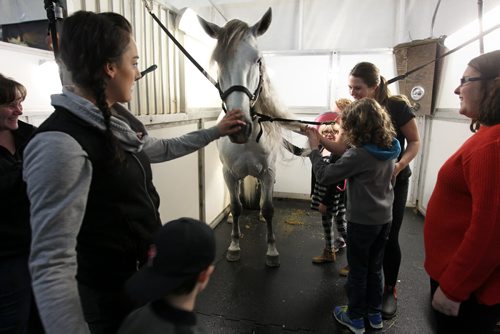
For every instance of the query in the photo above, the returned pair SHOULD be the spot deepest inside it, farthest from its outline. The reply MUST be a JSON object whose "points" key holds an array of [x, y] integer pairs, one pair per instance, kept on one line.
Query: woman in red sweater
{"points": [[462, 225]]}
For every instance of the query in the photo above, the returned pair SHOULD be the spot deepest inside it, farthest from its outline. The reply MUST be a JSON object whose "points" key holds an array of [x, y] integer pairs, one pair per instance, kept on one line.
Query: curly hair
{"points": [[88, 42], [342, 103], [9, 89], [365, 122]]}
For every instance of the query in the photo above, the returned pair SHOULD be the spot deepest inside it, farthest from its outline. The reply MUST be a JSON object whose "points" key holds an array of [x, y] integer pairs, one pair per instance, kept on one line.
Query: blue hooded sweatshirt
{"points": [[368, 170]]}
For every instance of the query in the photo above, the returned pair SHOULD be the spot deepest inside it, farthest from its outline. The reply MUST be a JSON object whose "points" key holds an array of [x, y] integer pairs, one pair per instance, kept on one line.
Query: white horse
{"points": [[243, 84]]}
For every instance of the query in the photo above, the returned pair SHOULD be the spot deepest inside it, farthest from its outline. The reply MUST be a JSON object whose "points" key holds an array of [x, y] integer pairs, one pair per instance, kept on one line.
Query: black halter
{"points": [[238, 88]]}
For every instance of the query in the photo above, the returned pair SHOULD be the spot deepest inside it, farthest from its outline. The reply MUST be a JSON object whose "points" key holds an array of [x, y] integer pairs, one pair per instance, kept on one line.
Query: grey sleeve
{"points": [[57, 172], [332, 173], [159, 150]]}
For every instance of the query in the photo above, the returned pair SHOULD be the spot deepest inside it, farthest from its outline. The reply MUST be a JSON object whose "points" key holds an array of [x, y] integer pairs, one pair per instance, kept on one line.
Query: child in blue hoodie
{"points": [[367, 165]]}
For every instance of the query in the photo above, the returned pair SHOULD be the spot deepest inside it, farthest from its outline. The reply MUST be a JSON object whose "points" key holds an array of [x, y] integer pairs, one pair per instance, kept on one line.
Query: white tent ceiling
{"points": [[179, 4]]}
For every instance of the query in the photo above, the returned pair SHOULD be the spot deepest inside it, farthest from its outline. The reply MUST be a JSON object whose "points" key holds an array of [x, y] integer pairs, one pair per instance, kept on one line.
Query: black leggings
{"points": [[392, 255], [472, 317]]}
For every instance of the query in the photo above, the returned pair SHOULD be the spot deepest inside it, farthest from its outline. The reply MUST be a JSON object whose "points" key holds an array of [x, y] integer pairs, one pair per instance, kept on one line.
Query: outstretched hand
{"points": [[313, 135], [231, 123]]}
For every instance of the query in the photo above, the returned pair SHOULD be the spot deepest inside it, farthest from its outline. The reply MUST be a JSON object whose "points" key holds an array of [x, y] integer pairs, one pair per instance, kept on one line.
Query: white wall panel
{"points": [[293, 174], [177, 180], [444, 138], [216, 198], [300, 80]]}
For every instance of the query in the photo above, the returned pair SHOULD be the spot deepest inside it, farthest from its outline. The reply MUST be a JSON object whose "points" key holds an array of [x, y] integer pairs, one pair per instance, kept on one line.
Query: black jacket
{"points": [[15, 231]]}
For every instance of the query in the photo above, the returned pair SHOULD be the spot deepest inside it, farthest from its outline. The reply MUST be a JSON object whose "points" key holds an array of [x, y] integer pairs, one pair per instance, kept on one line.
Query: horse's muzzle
{"points": [[241, 137]]}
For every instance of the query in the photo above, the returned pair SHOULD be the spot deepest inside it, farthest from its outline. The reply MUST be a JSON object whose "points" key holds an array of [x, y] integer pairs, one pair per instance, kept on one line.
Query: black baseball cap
{"points": [[182, 248]]}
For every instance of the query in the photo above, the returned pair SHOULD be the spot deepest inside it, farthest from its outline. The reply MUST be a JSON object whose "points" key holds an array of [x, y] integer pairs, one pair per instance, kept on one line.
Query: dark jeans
{"points": [[392, 256], [365, 252], [104, 310], [18, 311], [472, 317]]}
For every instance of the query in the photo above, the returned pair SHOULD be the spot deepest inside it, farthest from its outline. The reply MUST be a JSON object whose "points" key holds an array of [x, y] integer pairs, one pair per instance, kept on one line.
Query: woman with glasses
{"points": [[18, 313], [462, 223]]}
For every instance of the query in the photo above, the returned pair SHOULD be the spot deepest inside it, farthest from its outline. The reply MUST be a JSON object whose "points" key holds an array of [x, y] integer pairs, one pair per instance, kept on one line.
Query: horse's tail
{"points": [[295, 150]]}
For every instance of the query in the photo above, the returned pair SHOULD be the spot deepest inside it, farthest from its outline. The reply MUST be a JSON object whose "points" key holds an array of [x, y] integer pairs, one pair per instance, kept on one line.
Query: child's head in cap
{"points": [[181, 256]]}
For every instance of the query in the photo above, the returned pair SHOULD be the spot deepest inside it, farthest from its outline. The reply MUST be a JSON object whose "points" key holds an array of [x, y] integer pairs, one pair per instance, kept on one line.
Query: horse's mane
{"points": [[268, 104], [230, 36]]}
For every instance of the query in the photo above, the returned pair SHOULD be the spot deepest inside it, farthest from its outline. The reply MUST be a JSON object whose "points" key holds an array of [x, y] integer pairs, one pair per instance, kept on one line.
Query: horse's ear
{"points": [[261, 27], [211, 29]]}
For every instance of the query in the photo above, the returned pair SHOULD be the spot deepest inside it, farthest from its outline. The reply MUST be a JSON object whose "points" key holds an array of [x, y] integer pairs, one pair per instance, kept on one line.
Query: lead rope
{"points": [[179, 45]]}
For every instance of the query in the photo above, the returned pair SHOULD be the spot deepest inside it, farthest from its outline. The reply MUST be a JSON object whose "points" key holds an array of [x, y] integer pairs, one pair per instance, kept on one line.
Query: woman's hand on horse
{"points": [[231, 123]]}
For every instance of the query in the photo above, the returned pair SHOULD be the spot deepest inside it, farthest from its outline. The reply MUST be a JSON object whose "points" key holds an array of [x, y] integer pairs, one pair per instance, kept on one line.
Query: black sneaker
{"points": [[389, 303]]}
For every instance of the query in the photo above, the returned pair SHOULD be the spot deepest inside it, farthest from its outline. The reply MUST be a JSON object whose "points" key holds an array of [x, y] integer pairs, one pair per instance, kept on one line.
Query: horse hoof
{"points": [[272, 261], [233, 256]]}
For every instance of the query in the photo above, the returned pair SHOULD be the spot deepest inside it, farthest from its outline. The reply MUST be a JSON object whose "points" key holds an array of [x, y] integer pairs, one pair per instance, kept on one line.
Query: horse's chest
{"points": [[242, 160]]}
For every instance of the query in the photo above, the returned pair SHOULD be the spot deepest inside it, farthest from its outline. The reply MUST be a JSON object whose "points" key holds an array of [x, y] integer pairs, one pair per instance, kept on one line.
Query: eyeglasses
{"points": [[464, 80], [325, 132]]}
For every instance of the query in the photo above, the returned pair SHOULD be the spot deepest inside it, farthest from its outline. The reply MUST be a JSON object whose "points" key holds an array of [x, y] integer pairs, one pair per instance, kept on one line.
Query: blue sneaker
{"points": [[357, 326], [375, 320]]}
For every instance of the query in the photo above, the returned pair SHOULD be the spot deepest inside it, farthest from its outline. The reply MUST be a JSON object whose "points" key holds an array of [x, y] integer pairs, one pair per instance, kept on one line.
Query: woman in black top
{"points": [[365, 81], [18, 313]]}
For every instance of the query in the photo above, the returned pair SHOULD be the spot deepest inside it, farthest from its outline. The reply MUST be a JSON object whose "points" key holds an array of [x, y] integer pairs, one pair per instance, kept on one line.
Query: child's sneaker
{"points": [[327, 256], [344, 271], [357, 326], [375, 320]]}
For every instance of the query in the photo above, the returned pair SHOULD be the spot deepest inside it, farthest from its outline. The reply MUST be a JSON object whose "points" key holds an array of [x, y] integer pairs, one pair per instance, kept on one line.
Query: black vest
{"points": [[122, 207]]}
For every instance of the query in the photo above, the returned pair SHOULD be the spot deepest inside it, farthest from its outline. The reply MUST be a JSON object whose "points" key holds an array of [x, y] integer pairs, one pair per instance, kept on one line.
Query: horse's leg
{"points": [[267, 211], [233, 252]]}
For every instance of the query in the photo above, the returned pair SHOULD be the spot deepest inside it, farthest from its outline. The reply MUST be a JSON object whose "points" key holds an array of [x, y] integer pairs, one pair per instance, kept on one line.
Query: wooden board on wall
{"points": [[421, 86]]}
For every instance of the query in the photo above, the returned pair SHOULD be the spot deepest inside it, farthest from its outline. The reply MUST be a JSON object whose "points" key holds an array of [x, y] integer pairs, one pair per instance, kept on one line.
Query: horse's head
{"points": [[239, 61]]}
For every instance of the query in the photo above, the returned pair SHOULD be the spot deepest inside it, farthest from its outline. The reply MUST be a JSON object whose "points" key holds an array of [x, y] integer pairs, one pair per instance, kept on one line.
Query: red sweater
{"points": [[462, 223]]}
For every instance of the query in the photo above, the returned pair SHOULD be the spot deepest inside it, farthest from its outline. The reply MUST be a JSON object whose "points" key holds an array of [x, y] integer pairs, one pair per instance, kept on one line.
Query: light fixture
{"points": [[490, 19], [186, 19], [187, 22], [47, 76]]}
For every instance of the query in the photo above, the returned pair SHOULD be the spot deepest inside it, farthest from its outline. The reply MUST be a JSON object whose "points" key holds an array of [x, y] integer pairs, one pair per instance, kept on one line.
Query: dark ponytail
{"points": [[383, 94], [112, 142], [89, 41]]}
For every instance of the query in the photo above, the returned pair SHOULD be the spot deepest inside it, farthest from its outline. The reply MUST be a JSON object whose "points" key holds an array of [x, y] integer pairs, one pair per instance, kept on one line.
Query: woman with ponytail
{"points": [[365, 81], [88, 172]]}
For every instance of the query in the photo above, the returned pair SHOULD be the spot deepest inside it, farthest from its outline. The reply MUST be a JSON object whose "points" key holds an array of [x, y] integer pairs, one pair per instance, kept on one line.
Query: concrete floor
{"points": [[298, 297]]}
